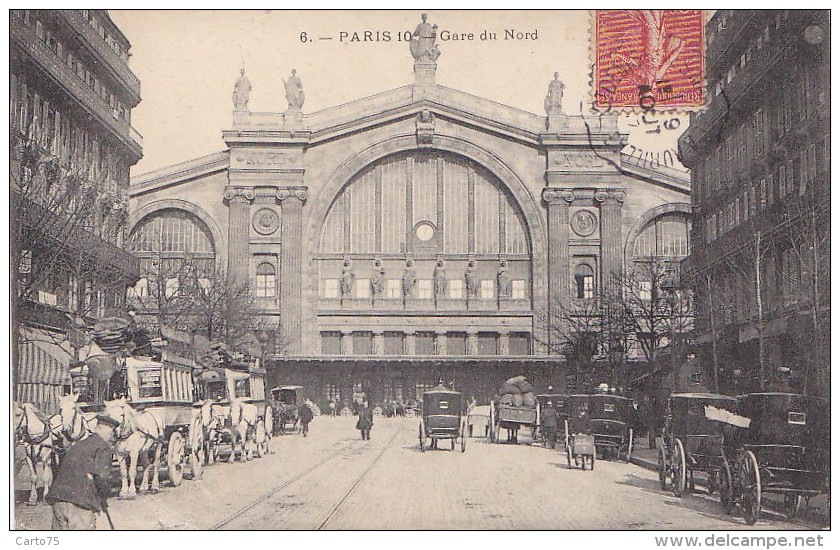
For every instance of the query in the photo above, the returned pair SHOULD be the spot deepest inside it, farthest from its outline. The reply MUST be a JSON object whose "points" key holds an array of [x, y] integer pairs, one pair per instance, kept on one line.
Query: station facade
{"points": [[413, 236]]}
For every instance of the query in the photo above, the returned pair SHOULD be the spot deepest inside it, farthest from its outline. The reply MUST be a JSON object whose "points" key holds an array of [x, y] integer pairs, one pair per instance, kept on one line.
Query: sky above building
{"points": [[188, 61]]}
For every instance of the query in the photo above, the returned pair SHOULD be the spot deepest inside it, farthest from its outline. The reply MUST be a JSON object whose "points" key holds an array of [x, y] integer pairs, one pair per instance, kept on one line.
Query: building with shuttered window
{"points": [[70, 98], [414, 235]]}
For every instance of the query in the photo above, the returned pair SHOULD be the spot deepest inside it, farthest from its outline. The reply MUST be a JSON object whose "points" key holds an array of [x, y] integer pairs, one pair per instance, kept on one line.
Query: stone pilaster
{"points": [[612, 261], [346, 342], [558, 201], [410, 343], [504, 343], [440, 343], [291, 265], [472, 343], [378, 342], [239, 205]]}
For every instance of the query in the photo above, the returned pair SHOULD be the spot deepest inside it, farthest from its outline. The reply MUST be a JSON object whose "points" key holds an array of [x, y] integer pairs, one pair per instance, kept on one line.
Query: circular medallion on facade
{"points": [[425, 232], [584, 223], [266, 221]]}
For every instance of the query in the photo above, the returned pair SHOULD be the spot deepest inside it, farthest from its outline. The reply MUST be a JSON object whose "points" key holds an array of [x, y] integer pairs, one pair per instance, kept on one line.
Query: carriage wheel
{"points": [[592, 461], [793, 502], [494, 434], [630, 446], [422, 438], [678, 478], [175, 458], [663, 469], [713, 483], [725, 487], [463, 437], [750, 488]]}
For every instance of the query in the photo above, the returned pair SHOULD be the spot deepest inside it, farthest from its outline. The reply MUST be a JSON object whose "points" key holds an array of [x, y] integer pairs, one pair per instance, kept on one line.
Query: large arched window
{"points": [[459, 205], [169, 240], [665, 236]]}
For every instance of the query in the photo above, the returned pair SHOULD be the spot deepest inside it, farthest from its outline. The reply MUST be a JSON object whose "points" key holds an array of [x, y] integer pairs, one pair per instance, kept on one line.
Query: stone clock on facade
{"points": [[422, 182]]}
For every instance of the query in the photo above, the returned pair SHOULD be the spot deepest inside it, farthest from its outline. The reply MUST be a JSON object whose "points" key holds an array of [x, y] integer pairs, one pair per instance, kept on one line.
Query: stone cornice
{"points": [[178, 173]]}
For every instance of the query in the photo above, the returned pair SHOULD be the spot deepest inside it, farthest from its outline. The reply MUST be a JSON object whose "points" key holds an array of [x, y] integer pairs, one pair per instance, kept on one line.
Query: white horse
{"points": [[139, 436], [243, 428], [75, 425], [204, 430], [38, 435]]}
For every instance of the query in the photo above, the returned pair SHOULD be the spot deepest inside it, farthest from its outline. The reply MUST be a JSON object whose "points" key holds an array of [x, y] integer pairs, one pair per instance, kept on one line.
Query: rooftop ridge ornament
{"points": [[425, 52], [241, 91]]}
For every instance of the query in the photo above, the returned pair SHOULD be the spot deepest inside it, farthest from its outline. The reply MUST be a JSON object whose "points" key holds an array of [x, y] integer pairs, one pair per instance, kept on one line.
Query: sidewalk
{"points": [[817, 510]]}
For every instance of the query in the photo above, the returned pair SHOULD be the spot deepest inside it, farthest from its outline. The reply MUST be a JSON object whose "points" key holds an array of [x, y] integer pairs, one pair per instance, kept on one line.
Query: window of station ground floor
{"points": [[427, 343]]}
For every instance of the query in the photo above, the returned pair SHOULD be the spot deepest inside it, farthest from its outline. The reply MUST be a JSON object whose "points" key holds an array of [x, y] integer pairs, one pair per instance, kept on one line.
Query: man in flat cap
{"points": [[549, 424], [81, 487]]}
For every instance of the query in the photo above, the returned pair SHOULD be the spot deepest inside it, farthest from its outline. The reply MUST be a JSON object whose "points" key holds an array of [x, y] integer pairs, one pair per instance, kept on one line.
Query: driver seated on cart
{"points": [[582, 423]]}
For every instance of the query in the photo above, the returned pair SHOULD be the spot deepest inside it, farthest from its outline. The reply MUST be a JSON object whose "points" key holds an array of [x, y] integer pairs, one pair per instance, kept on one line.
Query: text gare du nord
{"points": [[444, 35]]}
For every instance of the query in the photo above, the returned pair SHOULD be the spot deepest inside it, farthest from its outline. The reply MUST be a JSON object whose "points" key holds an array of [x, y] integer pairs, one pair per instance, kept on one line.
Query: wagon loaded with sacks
{"points": [[515, 407]]}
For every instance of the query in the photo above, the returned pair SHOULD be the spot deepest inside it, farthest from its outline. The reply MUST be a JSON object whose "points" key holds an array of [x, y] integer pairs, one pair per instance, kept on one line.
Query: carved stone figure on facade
{"points": [[440, 279], [347, 277], [294, 91], [422, 44], [503, 280], [409, 278], [241, 91], [554, 99], [377, 278], [472, 279], [425, 127]]}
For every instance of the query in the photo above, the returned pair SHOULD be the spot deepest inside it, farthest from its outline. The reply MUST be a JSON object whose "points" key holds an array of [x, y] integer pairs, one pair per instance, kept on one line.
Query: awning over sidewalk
{"points": [[44, 358]]}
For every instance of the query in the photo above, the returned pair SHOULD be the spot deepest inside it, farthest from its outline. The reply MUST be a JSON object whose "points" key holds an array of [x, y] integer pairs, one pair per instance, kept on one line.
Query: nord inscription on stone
{"points": [[261, 158], [579, 160]]}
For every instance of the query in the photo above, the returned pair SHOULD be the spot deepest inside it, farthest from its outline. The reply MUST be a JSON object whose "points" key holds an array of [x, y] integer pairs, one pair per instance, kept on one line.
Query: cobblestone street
{"points": [[334, 480]]}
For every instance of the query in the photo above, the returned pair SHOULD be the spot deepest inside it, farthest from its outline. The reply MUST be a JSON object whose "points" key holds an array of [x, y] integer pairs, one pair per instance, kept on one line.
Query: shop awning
{"points": [[44, 357]]}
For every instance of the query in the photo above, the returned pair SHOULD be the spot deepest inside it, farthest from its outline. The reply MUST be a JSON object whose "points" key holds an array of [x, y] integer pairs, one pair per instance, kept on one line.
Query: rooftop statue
{"points": [[241, 91], [422, 44], [294, 91], [554, 99]]}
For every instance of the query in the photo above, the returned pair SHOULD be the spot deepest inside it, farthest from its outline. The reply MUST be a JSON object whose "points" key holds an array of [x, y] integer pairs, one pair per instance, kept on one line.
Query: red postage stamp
{"points": [[649, 59]]}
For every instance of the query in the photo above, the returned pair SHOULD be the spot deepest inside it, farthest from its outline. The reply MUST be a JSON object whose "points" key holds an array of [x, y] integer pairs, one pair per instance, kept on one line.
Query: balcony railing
{"points": [[109, 57], [67, 78]]}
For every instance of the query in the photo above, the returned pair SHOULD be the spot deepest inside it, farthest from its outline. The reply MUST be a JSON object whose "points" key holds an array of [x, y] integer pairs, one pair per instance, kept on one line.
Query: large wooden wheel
{"points": [[630, 446], [494, 429], [463, 436], [750, 487], [592, 460], [793, 502], [175, 458], [725, 487], [663, 469], [678, 467]]}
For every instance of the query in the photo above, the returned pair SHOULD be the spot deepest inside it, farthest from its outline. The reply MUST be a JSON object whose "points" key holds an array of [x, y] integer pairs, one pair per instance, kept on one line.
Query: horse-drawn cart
{"points": [[611, 417], [784, 450], [443, 418], [692, 441], [284, 400]]}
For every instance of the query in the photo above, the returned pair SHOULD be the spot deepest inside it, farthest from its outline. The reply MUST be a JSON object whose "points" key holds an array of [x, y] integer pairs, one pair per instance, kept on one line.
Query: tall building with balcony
{"points": [[72, 145], [415, 235], [760, 160]]}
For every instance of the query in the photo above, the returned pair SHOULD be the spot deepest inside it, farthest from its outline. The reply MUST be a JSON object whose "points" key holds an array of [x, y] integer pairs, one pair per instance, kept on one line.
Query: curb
{"points": [[820, 516]]}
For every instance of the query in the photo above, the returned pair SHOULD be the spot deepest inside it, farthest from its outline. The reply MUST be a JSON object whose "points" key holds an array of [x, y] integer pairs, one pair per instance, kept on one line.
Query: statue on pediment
{"points": [[294, 91], [422, 44], [554, 99], [241, 91]]}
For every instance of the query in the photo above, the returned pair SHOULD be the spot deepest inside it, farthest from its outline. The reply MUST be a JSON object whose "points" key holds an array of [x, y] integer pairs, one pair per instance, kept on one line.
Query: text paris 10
{"points": [[443, 35]]}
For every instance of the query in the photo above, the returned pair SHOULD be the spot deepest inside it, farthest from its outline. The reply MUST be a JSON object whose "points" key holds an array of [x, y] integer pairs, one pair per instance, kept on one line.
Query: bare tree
{"points": [[67, 226], [207, 303], [656, 310]]}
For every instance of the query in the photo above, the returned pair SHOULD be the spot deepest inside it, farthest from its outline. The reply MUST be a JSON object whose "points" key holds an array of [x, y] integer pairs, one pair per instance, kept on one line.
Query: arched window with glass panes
{"points": [[266, 281], [664, 237]]}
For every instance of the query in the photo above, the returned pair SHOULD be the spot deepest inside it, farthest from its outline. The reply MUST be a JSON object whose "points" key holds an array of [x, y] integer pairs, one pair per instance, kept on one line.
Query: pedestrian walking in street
{"points": [[549, 424], [305, 416], [81, 487], [365, 422], [332, 407], [470, 419]]}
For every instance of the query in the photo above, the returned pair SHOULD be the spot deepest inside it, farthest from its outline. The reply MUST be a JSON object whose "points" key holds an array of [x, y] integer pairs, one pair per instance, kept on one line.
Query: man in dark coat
{"points": [[365, 421], [81, 487], [305, 416], [549, 424], [582, 423]]}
